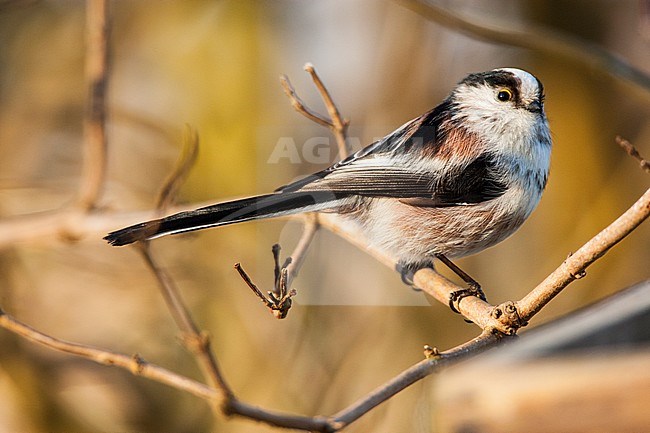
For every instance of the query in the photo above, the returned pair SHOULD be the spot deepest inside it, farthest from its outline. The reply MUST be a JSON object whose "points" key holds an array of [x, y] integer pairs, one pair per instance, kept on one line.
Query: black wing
{"points": [[395, 167]]}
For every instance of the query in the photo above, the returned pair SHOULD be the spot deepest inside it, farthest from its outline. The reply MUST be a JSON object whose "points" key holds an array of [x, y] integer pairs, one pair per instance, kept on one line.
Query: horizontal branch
{"points": [[72, 224], [139, 367], [135, 364], [411, 375]]}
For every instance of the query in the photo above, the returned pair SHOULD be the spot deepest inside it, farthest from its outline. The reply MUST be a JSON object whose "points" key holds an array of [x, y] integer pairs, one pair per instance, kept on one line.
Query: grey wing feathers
{"points": [[387, 168], [367, 172], [378, 181]]}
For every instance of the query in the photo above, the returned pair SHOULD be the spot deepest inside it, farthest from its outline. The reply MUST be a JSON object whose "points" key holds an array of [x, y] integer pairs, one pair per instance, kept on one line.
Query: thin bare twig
{"points": [[135, 364], [335, 123], [185, 163], [310, 228], [139, 367], [634, 153], [97, 69], [412, 375], [280, 303], [279, 299], [339, 125], [300, 106], [534, 37], [249, 282], [196, 341]]}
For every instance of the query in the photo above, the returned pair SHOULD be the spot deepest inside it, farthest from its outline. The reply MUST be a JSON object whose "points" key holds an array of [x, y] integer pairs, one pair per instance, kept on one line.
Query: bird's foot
{"points": [[408, 270], [473, 289]]}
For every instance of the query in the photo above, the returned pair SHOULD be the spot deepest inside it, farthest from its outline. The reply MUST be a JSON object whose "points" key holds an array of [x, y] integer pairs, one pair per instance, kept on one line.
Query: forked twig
{"points": [[337, 124], [300, 106], [279, 299], [279, 303]]}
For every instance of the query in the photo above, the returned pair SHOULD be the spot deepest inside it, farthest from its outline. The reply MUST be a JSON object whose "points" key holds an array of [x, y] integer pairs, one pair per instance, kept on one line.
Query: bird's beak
{"points": [[535, 106]]}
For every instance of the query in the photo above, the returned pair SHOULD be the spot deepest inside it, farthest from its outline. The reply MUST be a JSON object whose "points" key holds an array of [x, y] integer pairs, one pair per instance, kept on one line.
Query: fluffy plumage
{"points": [[454, 181]]}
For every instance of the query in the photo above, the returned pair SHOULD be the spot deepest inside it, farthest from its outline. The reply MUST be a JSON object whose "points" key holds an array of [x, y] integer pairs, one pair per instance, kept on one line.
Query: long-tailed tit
{"points": [[452, 182]]}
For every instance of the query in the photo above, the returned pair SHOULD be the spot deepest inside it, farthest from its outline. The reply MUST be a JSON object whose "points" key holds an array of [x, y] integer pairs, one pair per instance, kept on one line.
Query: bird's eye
{"points": [[504, 95]]}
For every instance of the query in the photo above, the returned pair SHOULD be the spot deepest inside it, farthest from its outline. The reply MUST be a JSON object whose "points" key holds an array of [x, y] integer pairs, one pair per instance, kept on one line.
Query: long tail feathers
{"points": [[263, 206]]}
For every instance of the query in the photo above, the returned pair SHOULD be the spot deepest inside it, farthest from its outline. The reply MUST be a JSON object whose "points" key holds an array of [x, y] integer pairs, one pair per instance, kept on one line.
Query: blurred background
{"points": [[215, 65]]}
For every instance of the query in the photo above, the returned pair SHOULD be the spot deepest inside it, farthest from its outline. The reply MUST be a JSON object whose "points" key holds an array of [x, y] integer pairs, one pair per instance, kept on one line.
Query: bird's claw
{"points": [[407, 272], [455, 297]]}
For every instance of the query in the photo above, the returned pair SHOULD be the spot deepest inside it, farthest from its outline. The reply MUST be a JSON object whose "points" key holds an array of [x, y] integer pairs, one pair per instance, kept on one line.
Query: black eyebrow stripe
{"points": [[495, 79], [540, 92]]}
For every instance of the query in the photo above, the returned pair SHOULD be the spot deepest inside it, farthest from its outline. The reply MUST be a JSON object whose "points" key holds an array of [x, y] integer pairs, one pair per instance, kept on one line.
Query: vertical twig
{"points": [[185, 163], [338, 125], [310, 228], [95, 144], [196, 341]]}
